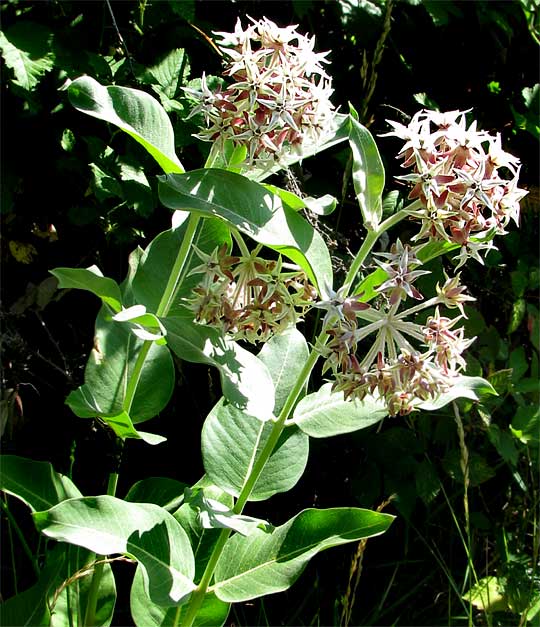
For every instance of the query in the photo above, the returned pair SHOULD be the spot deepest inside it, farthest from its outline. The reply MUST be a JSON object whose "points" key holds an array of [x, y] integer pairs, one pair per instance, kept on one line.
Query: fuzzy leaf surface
{"points": [[264, 563], [137, 113], [284, 355], [245, 380], [212, 613], [253, 210], [367, 173], [109, 367], [326, 413], [231, 441], [105, 525], [463, 387], [158, 260], [91, 280]]}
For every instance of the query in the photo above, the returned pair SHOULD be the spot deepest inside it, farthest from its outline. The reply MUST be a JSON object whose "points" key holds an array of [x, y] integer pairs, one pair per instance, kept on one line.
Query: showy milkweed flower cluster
{"points": [[465, 183], [408, 363], [248, 298], [279, 98]]}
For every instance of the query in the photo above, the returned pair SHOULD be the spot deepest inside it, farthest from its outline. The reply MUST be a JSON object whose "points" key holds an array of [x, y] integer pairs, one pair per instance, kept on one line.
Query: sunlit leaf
{"points": [[253, 210], [134, 111], [232, 441], [326, 413], [105, 525], [263, 563]]}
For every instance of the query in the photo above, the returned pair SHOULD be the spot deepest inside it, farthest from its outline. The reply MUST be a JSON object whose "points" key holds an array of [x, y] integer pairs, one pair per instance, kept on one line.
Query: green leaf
{"points": [[109, 368], [105, 525], [163, 491], [231, 442], [212, 613], [254, 210], [92, 280], [135, 112], [518, 362], [519, 309], [479, 470], [122, 425], [26, 49], [166, 76], [245, 380], [35, 483], [104, 184], [214, 514], [30, 608], [504, 443], [264, 563], [202, 540], [326, 413], [159, 257], [136, 189], [338, 133], [526, 424], [322, 206], [367, 172], [463, 387], [486, 595], [284, 355]]}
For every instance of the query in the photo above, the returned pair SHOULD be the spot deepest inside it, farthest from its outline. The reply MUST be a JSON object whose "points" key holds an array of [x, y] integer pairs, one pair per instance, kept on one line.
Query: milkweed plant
{"points": [[229, 285]]}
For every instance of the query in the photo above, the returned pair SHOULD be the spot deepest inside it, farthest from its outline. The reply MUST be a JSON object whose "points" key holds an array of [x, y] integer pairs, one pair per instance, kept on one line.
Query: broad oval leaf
{"points": [[35, 483], [367, 173], [284, 355], [92, 280], [263, 563], [105, 524], [212, 613], [326, 413], [254, 210], [245, 380], [163, 491], [109, 368], [231, 442], [135, 112]]}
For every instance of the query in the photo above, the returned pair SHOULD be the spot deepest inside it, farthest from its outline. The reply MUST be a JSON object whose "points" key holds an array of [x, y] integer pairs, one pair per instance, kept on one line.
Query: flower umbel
{"points": [[408, 362], [458, 180], [248, 298], [279, 98]]}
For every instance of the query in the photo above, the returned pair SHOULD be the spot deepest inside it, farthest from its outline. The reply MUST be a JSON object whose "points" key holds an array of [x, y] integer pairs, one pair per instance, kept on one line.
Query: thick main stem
{"points": [[197, 596], [167, 299]]}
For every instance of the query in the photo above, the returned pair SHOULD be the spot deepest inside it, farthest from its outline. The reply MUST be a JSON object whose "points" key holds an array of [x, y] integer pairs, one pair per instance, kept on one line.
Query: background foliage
{"points": [[68, 199]]}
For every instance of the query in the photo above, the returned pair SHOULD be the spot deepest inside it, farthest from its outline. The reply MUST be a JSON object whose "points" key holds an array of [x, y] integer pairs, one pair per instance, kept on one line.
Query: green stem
{"points": [[200, 591], [240, 242], [369, 242], [167, 299], [174, 281]]}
